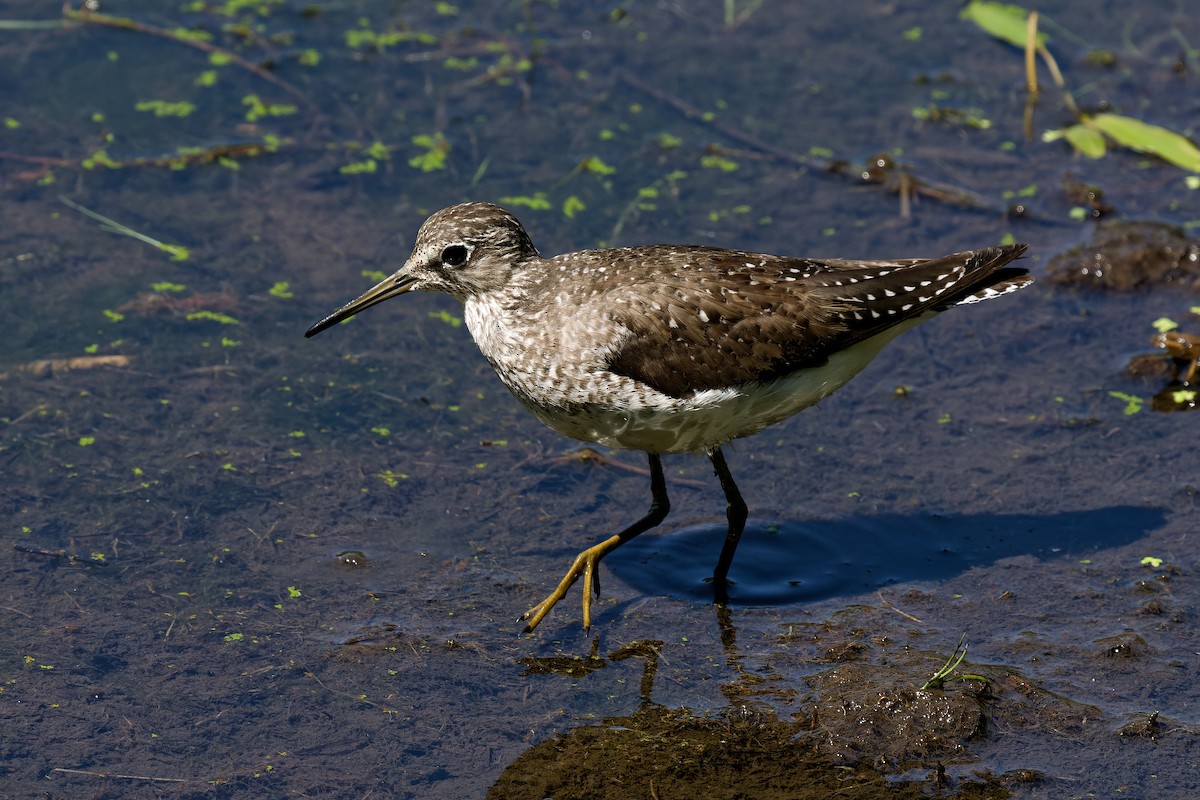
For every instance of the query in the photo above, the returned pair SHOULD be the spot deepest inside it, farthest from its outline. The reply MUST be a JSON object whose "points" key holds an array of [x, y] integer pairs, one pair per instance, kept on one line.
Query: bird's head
{"points": [[464, 250]]}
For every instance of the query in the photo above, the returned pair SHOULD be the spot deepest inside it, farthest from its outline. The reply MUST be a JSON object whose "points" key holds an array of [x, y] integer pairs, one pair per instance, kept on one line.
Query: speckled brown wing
{"points": [[722, 318]]}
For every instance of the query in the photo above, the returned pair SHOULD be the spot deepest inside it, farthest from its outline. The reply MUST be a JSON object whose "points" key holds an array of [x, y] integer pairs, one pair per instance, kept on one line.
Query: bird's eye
{"points": [[455, 255]]}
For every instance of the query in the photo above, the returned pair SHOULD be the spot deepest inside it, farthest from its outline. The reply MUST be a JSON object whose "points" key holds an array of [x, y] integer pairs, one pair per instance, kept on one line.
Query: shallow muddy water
{"points": [[238, 563]]}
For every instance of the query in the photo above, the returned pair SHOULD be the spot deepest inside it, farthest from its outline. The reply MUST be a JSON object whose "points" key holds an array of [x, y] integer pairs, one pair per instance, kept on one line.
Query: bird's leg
{"points": [[586, 564], [735, 512]]}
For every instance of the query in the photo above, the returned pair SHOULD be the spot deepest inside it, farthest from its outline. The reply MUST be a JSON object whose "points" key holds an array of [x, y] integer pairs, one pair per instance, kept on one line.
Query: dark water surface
{"points": [[238, 563]]}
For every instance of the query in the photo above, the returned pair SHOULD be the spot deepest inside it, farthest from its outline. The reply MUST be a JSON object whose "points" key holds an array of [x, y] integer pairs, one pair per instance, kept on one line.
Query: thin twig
{"points": [[904, 614], [117, 775], [1031, 32]]}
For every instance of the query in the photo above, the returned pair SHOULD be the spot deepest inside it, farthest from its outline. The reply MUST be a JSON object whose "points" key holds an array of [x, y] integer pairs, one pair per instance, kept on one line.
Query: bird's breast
{"points": [[559, 370]]}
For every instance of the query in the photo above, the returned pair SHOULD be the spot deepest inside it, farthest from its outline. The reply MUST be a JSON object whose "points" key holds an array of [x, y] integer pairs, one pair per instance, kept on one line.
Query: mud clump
{"points": [[1129, 256], [745, 753], [877, 713]]}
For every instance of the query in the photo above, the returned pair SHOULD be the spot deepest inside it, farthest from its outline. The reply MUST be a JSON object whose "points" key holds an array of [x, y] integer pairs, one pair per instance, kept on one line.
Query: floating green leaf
{"points": [[165, 108], [572, 206], [596, 166], [1146, 138], [1183, 397], [434, 157], [1086, 140], [379, 150], [1006, 22], [360, 167], [447, 317], [1164, 324], [538, 202], [257, 109], [718, 162], [1133, 403], [391, 478], [214, 316]]}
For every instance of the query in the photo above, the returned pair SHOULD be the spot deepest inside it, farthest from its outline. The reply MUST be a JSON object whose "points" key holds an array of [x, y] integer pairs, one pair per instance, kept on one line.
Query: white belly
{"points": [[562, 377], [715, 416]]}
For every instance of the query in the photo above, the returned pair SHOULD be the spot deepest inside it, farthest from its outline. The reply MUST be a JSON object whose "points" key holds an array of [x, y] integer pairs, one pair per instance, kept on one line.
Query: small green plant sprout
{"points": [[257, 109], [1184, 398], [1164, 324], [434, 157], [1133, 403], [392, 479], [943, 675], [596, 166], [177, 251], [538, 201], [718, 162], [375, 153], [572, 206], [668, 141], [212, 316], [446, 317], [166, 108]]}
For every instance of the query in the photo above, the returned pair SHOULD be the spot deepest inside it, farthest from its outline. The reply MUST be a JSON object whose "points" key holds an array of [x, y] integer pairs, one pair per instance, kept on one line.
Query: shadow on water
{"points": [[862, 554]]}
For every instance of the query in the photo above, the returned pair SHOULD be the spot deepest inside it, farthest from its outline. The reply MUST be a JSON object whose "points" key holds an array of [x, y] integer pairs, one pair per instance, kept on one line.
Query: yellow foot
{"points": [[584, 566]]}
